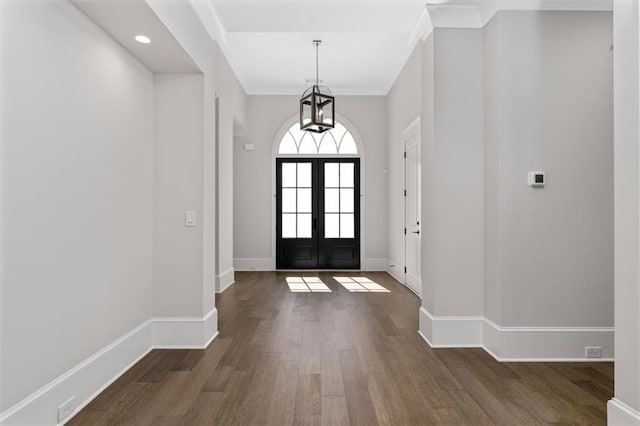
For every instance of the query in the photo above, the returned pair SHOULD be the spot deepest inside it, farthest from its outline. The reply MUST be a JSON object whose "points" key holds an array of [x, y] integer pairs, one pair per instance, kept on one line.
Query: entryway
{"points": [[318, 213]]}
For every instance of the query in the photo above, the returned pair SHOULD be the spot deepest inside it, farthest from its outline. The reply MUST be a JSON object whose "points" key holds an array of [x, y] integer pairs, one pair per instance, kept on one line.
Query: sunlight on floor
{"points": [[360, 284], [307, 285]]}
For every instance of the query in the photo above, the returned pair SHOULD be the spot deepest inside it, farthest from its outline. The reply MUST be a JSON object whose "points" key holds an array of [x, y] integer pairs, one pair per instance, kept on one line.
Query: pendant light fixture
{"points": [[317, 106]]}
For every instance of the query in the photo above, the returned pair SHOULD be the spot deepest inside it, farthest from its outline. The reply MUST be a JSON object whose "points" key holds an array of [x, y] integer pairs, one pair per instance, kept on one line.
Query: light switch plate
{"points": [[248, 147], [536, 179], [190, 218]]}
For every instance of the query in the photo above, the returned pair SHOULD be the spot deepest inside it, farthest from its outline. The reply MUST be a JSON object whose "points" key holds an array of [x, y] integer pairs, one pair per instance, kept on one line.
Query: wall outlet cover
{"points": [[593, 352], [66, 409]]}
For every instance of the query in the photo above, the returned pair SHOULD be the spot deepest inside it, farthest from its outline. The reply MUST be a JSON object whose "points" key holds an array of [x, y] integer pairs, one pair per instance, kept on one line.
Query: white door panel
{"points": [[412, 211]]}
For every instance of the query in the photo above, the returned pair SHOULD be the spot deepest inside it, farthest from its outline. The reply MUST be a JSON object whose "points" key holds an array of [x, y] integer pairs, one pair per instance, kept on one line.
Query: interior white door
{"points": [[412, 211]]}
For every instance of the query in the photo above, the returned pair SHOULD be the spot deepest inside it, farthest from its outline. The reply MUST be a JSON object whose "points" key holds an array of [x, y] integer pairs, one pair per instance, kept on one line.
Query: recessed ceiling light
{"points": [[143, 39]]}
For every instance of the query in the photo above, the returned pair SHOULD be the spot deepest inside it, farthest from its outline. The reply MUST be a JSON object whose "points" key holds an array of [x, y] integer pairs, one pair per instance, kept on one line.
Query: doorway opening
{"points": [[412, 206], [317, 199]]}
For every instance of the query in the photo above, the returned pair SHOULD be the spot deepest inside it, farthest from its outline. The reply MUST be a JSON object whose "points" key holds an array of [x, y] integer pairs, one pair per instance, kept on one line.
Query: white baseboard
{"points": [[374, 264], [516, 344], [254, 264], [396, 271], [224, 280], [184, 332], [620, 414], [88, 379], [546, 343], [268, 264], [449, 332], [84, 381]]}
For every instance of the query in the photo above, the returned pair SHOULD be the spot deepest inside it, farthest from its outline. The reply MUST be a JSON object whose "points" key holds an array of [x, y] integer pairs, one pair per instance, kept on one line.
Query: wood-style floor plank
{"points": [[340, 358]]}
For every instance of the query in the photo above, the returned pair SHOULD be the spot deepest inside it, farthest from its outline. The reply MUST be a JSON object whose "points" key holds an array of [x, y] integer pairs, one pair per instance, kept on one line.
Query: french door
{"points": [[318, 213]]}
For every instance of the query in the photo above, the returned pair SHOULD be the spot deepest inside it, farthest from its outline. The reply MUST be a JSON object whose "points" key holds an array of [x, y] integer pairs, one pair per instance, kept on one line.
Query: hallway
{"points": [[340, 358]]}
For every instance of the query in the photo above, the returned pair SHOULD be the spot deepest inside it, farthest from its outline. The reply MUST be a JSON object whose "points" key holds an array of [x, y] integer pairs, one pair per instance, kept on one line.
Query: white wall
{"points": [[77, 183], [191, 29], [232, 114], [403, 106], [442, 82], [530, 91], [624, 409], [178, 187], [549, 251], [457, 215], [253, 193]]}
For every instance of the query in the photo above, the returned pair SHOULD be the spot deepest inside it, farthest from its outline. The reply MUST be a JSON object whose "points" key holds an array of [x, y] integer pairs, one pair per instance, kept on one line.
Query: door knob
{"points": [[415, 232]]}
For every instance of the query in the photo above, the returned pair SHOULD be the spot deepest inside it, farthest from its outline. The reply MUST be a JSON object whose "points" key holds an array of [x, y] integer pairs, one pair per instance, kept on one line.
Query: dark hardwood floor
{"points": [[341, 358]]}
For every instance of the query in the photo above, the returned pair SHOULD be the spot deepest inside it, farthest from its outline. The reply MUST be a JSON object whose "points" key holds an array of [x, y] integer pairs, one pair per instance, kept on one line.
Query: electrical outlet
{"points": [[593, 352], [66, 409]]}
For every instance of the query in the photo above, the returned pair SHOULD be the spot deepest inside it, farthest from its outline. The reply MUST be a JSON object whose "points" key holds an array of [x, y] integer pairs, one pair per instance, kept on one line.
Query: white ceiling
{"points": [[364, 43], [123, 20]]}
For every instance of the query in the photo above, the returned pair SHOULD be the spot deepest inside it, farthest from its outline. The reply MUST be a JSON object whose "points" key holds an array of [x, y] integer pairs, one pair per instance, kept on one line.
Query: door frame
{"points": [[274, 154], [412, 129]]}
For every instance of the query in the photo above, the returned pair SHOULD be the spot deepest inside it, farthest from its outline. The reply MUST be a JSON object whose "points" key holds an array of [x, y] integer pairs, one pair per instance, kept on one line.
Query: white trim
{"points": [[184, 332], [374, 264], [224, 280], [267, 264], [420, 32], [476, 13], [516, 344], [411, 130], [254, 264], [451, 331], [84, 381], [90, 377], [396, 270], [620, 414]]}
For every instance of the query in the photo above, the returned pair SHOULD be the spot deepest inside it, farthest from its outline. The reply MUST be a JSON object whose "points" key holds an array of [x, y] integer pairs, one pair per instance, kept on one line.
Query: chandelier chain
{"points": [[317, 72]]}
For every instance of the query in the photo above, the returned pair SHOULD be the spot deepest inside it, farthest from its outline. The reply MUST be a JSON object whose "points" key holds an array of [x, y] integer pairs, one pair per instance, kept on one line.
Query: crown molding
{"points": [[477, 13]]}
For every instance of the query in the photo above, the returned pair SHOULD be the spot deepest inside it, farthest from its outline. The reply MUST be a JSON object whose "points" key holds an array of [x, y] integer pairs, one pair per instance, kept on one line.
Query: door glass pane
{"points": [[331, 175], [346, 200], [348, 145], [328, 144], [346, 225], [288, 200], [304, 200], [288, 225], [304, 175], [308, 144], [288, 145], [331, 226], [331, 201], [304, 225], [288, 175], [346, 175]]}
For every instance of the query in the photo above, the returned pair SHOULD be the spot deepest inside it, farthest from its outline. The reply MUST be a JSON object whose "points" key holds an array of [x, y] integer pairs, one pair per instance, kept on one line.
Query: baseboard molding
{"points": [[451, 332], [620, 414], [374, 265], [224, 280], [394, 270], [268, 264], [516, 344], [84, 381], [89, 378], [254, 264], [184, 332]]}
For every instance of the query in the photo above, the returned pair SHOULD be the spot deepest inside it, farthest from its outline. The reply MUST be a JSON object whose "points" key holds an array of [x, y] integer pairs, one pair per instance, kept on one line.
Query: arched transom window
{"points": [[337, 141]]}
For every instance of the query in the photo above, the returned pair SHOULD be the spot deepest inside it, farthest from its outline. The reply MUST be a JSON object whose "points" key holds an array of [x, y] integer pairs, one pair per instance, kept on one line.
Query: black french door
{"points": [[318, 213]]}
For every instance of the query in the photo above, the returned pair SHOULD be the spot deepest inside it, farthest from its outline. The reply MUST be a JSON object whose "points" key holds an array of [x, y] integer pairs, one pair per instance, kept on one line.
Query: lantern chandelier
{"points": [[317, 106]]}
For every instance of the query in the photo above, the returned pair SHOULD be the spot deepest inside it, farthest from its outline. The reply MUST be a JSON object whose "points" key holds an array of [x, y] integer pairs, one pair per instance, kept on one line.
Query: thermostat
{"points": [[536, 179]]}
